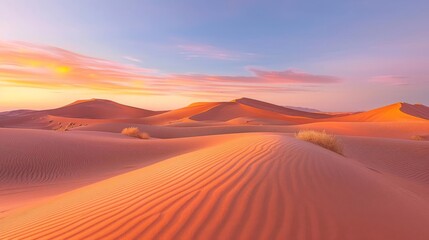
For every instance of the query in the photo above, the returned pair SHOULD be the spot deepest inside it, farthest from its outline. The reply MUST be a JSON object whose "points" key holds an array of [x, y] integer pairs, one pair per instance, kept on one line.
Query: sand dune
{"points": [[251, 109], [219, 170], [243, 111], [405, 162], [80, 112], [253, 187], [394, 112], [279, 109], [235, 109], [35, 164], [100, 108], [181, 114]]}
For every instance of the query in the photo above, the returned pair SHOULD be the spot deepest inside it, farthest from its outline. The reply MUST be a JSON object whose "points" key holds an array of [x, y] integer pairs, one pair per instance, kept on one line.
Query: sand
{"points": [[252, 187], [393, 112], [223, 170], [36, 164]]}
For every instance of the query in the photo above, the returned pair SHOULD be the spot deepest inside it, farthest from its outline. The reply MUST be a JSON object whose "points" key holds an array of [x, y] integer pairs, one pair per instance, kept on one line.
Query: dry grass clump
{"points": [[135, 132], [322, 139], [418, 138]]}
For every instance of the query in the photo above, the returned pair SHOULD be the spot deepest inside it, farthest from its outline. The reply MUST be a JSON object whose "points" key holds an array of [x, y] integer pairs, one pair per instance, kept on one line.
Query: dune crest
{"points": [[242, 111], [251, 109], [393, 112], [99, 109]]}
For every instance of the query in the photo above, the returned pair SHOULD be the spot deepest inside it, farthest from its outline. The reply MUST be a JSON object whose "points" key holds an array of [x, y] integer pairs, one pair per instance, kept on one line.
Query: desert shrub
{"points": [[135, 132], [417, 138], [320, 138]]}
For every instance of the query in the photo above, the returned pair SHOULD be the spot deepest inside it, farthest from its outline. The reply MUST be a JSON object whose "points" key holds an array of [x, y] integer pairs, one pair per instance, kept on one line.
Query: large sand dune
{"points": [[99, 108], [80, 112], [394, 112], [279, 109], [243, 111], [35, 164], [252, 187], [227, 111]]}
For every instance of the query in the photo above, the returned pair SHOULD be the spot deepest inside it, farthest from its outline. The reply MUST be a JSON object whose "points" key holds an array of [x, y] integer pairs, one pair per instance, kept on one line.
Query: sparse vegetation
{"points": [[135, 132], [321, 138], [418, 138]]}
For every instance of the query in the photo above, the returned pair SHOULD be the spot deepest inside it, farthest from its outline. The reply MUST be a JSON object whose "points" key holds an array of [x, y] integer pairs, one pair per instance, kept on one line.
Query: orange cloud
{"points": [[30, 65]]}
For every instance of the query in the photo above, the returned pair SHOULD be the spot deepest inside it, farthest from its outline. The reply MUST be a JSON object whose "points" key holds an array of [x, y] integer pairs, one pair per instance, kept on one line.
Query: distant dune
{"points": [[100, 109], [279, 109], [251, 109], [78, 113], [394, 112], [243, 111]]}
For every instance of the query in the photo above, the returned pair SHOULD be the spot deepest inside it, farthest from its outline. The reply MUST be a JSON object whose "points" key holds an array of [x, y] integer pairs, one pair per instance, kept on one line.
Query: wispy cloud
{"points": [[208, 51], [29, 65], [132, 59], [293, 76], [264, 77], [390, 80]]}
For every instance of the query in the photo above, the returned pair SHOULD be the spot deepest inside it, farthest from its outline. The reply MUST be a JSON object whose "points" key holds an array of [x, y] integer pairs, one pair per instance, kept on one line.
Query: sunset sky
{"points": [[329, 55]]}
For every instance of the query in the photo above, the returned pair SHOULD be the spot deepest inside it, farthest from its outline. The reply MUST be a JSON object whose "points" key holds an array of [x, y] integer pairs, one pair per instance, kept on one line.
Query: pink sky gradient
{"points": [[51, 69], [27, 65]]}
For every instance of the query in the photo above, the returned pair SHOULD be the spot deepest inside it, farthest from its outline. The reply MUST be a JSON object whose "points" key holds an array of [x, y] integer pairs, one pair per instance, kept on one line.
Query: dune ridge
{"points": [[100, 109], [393, 112], [280, 109], [242, 111], [80, 112], [227, 111]]}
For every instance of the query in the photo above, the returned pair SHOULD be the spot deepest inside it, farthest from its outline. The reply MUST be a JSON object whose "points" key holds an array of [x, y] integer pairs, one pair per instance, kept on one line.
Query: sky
{"points": [[330, 55]]}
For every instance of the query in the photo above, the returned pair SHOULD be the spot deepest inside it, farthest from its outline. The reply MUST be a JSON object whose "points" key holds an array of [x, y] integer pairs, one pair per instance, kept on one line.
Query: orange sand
{"points": [[227, 170]]}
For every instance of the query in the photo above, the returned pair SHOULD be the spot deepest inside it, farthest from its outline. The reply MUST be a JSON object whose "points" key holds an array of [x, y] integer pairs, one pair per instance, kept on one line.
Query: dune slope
{"points": [[80, 112], [404, 161], [239, 108], [35, 164], [393, 112], [279, 109], [253, 187], [100, 108]]}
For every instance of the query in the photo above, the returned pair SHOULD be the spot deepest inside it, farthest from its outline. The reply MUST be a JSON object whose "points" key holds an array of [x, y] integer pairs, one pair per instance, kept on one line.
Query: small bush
{"points": [[135, 132], [320, 138], [418, 138]]}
